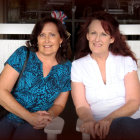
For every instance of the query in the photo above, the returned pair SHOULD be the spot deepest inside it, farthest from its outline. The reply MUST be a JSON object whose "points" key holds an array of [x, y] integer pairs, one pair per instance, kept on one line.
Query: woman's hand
{"points": [[102, 127], [88, 127], [40, 119]]}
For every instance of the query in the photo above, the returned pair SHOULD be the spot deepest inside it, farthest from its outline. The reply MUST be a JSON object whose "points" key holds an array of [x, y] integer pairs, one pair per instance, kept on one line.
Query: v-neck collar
{"points": [[41, 66], [98, 70]]}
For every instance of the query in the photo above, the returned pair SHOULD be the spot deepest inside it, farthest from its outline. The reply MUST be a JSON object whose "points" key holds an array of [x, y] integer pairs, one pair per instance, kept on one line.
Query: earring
{"points": [[60, 45]]}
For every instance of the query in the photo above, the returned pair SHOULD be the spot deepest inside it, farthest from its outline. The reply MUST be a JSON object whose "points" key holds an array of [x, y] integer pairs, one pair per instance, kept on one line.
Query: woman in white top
{"points": [[105, 84]]}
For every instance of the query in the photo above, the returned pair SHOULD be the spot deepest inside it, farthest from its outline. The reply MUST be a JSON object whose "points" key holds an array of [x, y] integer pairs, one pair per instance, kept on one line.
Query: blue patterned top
{"points": [[34, 91]]}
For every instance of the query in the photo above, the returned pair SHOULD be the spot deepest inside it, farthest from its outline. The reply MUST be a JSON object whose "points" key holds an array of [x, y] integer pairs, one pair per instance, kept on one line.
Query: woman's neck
{"points": [[100, 57], [50, 60]]}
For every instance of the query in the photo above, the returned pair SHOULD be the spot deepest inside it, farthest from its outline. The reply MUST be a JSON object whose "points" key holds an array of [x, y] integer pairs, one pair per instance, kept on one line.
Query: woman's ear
{"points": [[112, 40], [87, 36], [61, 40]]}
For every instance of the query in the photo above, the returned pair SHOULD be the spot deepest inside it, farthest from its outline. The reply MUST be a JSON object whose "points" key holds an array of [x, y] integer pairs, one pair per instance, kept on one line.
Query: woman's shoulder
{"points": [[16, 60], [65, 65], [20, 53], [21, 49], [120, 58], [125, 63]]}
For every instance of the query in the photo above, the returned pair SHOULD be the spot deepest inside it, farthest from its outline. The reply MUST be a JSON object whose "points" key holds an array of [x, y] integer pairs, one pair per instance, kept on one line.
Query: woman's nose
{"points": [[97, 37], [47, 38]]}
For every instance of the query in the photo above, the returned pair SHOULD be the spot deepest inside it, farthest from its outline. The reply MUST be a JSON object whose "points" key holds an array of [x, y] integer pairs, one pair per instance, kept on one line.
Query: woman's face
{"points": [[99, 40], [49, 40]]}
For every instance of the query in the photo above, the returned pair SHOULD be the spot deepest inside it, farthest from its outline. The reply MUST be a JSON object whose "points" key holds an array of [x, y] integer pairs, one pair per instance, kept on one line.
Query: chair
{"points": [[7, 47], [54, 128]]}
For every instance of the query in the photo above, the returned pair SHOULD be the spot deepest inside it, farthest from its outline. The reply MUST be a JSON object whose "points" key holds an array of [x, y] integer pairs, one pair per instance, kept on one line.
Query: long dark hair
{"points": [[62, 54], [109, 24]]}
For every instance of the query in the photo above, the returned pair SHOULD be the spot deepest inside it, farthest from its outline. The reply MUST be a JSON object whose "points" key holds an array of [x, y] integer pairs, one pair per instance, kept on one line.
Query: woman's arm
{"points": [[55, 110], [132, 98], [82, 108], [8, 79], [59, 104]]}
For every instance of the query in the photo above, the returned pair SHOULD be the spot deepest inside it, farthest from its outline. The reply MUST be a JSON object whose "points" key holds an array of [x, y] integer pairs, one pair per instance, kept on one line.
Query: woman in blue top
{"points": [[43, 89]]}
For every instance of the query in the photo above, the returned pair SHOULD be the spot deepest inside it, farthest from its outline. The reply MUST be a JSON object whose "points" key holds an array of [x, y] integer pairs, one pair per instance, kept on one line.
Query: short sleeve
{"points": [[130, 65], [76, 72], [66, 77], [17, 59]]}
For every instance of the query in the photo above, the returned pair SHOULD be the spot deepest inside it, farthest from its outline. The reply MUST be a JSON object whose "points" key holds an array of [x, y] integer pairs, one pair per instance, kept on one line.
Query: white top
{"points": [[103, 98]]}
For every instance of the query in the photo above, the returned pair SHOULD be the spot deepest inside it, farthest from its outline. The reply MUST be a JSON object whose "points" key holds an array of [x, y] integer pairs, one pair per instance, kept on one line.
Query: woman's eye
{"points": [[104, 34], [42, 35], [93, 33], [52, 34]]}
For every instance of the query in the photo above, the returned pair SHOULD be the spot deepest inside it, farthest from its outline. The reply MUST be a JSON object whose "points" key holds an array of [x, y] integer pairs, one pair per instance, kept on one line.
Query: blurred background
{"points": [[29, 11]]}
